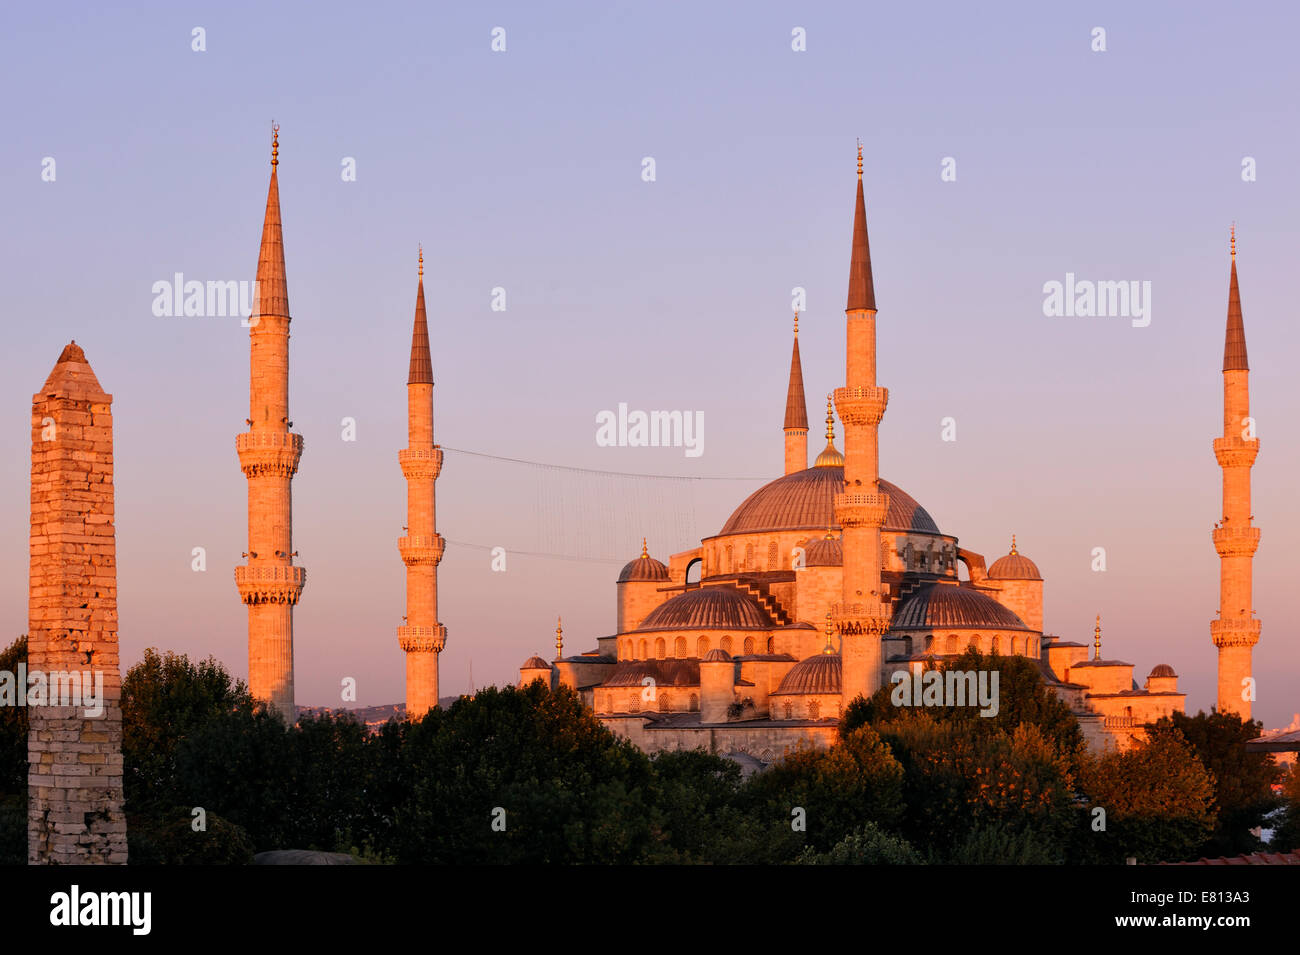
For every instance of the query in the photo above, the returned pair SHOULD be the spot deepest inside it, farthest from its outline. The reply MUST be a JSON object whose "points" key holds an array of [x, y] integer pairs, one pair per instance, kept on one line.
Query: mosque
{"points": [[829, 579]]}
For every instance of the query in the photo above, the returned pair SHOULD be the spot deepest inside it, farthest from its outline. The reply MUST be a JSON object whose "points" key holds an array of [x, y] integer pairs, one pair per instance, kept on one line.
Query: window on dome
{"points": [[641, 655], [726, 644], [702, 647], [789, 710], [952, 643], [661, 649], [974, 642], [749, 645], [679, 648], [771, 644], [997, 644], [773, 557], [814, 709], [1015, 645], [665, 704]]}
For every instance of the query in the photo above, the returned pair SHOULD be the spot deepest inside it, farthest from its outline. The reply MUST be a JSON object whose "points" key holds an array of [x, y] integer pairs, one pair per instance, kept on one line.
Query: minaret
{"points": [[862, 617], [1236, 630], [269, 451], [796, 412], [423, 637]]}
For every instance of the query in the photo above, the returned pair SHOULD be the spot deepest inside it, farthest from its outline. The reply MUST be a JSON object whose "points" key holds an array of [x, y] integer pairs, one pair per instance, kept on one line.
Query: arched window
{"points": [[731, 560], [1031, 646], [634, 705], [929, 643], [702, 647], [726, 644], [789, 710], [749, 645], [952, 643], [665, 705], [679, 648], [749, 556], [1015, 645], [771, 644], [997, 643], [695, 703], [773, 557], [642, 655], [661, 649], [974, 642], [814, 708]]}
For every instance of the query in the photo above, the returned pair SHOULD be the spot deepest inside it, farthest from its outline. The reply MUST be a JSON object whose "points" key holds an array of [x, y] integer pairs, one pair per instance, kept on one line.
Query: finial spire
{"points": [[275, 144], [1232, 241], [559, 640], [1096, 640], [796, 323], [830, 631], [859, 158], [645, 551], [421, 366], [1234, 341], [862, 287], [830, 456], [830, 421], [1013, 545], [421, 263]]}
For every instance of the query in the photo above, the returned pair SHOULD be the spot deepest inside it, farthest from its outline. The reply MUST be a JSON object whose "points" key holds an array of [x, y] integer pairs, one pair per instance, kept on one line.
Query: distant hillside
{"points": [[372, 716]]}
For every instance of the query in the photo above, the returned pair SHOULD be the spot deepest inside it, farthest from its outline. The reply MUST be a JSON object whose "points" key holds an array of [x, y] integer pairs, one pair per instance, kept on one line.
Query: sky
{"points": [[523, 169]]}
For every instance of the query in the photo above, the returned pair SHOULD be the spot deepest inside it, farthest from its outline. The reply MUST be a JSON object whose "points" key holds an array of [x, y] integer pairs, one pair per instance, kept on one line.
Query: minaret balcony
{"points": [[270, 584], [420, 463], [422, 639], [1236, 452], [861, 406], [1236, 541], [269, 452], [1235, 632], [858, 619], [422, 550], [861, 509]]}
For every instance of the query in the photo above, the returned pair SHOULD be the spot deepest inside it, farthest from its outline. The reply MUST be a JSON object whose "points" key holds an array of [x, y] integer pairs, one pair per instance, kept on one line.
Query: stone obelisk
{"points": [[74, 742]]}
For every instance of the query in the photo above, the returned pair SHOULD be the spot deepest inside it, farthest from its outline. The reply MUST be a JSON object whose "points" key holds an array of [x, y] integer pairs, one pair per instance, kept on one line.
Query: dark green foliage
{"points": [[1243, 781], [1158, 799], [1286, 837], [170, 839], [866, 845], [992, 845], [13, 729]]}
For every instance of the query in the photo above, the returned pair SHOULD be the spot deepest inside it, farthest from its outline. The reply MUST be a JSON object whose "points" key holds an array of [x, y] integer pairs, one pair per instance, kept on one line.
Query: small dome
{"points": [[717, 655], [535, 663], [947, 606], [1162, 670], [824, 552], [644, 567], [708, 608], [829, 458], [1014, 566], [819, 674]]}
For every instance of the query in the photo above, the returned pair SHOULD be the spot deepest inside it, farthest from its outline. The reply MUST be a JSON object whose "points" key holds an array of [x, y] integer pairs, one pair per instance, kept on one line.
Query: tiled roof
{"points": [[1234, 343], [663, 672], [643, 568], [421, 360], [804, 500], [796, 406], [709, 608], [1014, 567], [1254, 858], [939, 605], [862, 287]]}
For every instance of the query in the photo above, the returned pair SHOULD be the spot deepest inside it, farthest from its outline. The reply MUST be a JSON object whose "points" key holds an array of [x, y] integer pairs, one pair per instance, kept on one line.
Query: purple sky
{"points": [[522, 169]]}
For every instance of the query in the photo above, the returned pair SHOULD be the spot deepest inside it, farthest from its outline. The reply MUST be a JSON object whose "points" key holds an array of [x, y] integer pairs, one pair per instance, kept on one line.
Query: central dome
{"points": [[805, 500]]}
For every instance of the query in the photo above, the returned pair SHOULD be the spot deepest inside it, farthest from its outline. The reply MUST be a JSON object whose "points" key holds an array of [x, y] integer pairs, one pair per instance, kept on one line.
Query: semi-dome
{"points": [[1162, 670], [940, 606], [819, 674], [824, 552], [535, 663], [717, 655], [804, 500], [1014, 566], [708, 608]]}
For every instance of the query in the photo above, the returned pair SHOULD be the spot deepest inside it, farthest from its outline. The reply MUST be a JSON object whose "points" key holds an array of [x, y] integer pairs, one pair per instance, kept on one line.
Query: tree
{"points": [[13, 764], [1158, 800], [1243, 781], [866, 845]]}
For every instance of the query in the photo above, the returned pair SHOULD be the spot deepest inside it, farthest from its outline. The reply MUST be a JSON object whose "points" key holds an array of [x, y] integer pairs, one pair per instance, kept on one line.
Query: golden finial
{"points": [[830, 421], [1013, 545], [796, 323], [830, 630], [645, 551], [275, 143], [830, 456], [859, 158], [1233, 241], [830, 535], [559, 640], [421, 261], [1096, 640]]}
